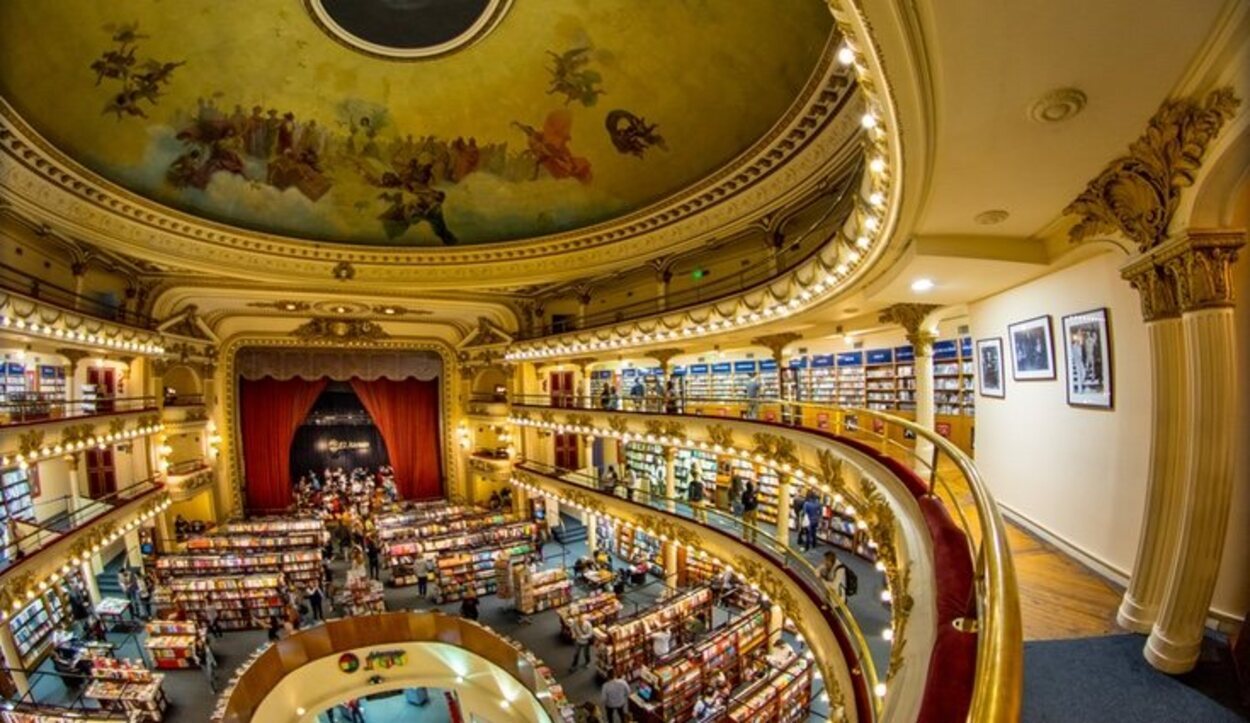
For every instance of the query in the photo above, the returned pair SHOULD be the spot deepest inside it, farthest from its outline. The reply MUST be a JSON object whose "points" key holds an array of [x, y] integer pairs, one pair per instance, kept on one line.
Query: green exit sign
{"points": [[698, 274]]}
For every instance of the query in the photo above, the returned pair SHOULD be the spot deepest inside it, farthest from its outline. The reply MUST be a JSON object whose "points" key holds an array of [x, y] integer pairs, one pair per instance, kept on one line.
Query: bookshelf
{"points": [[693, 569], [173, 644], [851, 382], [647, 461], [708, 468], [601, 607], [361, 596], [13, 386], [457, 571], [276, 527], [542, 590], [15, 492], [124, 685], [698, 381], [630, 543], [784, 695], [243, 602], [721, 381], [881, 379], [32, 625], [822, 379], [301, 567], [668, 691], [625, 645], [770, 379], [403, 555]]}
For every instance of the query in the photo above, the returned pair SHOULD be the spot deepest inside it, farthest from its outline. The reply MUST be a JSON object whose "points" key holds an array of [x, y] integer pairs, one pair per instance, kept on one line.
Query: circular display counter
{"points": [[315, 669]]}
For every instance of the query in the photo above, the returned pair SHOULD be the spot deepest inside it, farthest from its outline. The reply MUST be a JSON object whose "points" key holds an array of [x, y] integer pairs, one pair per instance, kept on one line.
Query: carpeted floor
{"points": [[1106, 679]]}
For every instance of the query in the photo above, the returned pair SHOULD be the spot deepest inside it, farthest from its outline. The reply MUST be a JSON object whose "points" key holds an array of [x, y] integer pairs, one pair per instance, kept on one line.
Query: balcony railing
{"points": [[14, 279], [764, 539], [944, 468], [35, 410], [60, 517], [186, 467], [184, 400]]}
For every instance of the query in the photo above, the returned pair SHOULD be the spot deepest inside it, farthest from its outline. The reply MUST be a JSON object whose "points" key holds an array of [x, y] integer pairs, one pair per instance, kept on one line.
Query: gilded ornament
{"points": [[1137, 195], [580, 420], [910, 317], [776, 448], [31, 442], [1154, 288], [722, 435], [321, 328], [1201, 268], [618, 424]]}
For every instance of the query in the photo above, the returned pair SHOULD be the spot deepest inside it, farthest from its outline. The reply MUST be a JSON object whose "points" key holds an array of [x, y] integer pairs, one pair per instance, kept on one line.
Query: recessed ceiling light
{"points": [[388, 310], [922, 285], [991, 217], [846, 56], [341, 309], [290, 307]]}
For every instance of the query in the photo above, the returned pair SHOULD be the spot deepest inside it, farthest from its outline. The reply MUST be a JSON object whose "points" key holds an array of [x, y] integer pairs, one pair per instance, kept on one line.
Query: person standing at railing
{"points": [[637, 391], [752, 393], [833, 573], [811, 518], [750, 512], [694, 493], [605, 396], [671, 393], [735, 494]]}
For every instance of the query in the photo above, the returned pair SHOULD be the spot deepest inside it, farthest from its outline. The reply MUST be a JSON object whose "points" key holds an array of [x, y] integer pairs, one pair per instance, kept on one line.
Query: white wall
{"points": [[1078, 473]]}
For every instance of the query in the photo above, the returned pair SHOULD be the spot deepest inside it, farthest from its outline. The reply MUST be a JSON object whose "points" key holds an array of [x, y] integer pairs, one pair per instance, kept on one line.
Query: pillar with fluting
{"points": [[1165, 482], [89, 579], [592, 535], [670, 475], [920, 334], [670, 563], [785, 488], [1201, 268]]}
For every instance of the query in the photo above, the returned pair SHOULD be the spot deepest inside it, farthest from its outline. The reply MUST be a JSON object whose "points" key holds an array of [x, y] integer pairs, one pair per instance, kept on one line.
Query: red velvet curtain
{"points": [[270, 410], [406, 413]]}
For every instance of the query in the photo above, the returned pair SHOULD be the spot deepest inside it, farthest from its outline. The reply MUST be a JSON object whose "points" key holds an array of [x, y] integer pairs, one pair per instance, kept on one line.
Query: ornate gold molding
{"points": [[910, 317], [580, 420], [1154, 288], [1200, 266], [663, 527], [1138, 193], [15, 591], [323, 328], [618, 424], [779, 449], [777, 342], [721, 434], [31, 441], [665, 428]]}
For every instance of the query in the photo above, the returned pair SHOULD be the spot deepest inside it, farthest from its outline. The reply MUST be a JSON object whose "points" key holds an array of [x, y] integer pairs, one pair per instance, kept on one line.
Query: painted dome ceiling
{"points": [[503, 121]]}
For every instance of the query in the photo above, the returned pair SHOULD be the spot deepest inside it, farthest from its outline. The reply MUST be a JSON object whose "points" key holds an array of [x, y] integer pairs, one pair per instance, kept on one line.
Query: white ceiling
{"points": [[991, 61]]}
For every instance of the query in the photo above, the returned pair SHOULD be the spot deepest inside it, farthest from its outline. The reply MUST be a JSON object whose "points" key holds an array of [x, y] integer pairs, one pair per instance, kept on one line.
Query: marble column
{"points": [[1165, 485], [93, 585], [75, 490], [670, 476], [785, 489], [922, 343], [670, 563], [592, 535], [1200, 265], [8, 646]]}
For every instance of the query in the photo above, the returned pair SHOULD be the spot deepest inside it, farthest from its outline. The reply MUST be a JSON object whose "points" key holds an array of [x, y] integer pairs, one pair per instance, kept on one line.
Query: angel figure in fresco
{"points": [[550, 150], [571, 78], [118, 65], [632, 134], [411, 199]]}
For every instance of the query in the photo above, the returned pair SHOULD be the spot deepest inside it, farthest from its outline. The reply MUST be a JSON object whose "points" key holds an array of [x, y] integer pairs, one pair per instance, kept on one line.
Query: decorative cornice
{"points": [[1200, 265], [775, 447], [721, 435], [1138, 193], [324, 328]]}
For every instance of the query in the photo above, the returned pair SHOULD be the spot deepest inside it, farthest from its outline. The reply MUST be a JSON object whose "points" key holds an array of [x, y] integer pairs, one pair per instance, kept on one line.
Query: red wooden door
{"points": [[105, 381], [562, 389], [567, 456], [101, 473]]}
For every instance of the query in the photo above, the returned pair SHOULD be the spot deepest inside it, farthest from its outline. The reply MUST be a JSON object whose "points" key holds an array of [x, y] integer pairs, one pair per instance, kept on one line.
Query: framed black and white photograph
{"points": [[1032, 349], [990, 371], [1087, 353]]}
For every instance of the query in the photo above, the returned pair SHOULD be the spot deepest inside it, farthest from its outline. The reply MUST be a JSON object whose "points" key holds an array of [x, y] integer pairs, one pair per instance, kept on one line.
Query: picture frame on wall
{"points": [[1087, 359], [1032, 349], [991, 374]]}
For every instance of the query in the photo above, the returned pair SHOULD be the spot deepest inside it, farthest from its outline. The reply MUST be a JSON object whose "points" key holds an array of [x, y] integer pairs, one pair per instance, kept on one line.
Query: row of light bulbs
{"points": [[870, 210], [72, 335], [77, 560], [101, 441], [795, 472]]}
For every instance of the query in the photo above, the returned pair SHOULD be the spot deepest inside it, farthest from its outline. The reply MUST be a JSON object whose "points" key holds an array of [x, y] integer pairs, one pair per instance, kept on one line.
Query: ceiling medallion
{"points": [[407, 29], [991, 217], [1058, 105]]}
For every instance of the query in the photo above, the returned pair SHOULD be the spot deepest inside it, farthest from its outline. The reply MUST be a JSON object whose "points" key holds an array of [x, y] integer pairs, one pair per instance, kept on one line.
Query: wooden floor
{"points": [[1059, 597]]}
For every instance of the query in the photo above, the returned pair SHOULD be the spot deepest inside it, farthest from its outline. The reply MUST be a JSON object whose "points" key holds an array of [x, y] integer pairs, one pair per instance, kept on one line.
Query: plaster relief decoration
{"points": [[552, 123], [1138, 193], [321, 328]]}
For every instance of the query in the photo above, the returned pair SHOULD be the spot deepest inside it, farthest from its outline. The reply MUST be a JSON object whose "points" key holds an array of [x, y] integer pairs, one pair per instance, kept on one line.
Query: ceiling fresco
{"points": [[566, 114]]}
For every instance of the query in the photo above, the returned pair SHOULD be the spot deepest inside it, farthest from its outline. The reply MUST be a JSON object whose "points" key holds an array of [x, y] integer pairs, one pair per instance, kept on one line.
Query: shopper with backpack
{"points": [[839, 578]]}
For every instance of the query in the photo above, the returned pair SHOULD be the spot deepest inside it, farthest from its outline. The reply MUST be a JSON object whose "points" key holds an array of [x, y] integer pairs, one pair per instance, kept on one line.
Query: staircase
{"points": [[573, 530], [106, 581]]}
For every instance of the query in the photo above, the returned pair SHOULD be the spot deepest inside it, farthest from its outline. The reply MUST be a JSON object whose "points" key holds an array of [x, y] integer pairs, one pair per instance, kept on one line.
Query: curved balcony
{"points": [[487, 671], [973, 642]]}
